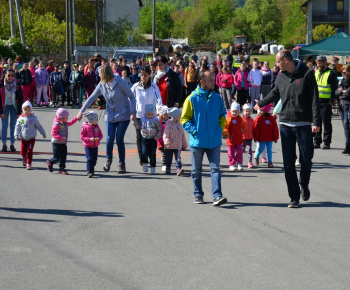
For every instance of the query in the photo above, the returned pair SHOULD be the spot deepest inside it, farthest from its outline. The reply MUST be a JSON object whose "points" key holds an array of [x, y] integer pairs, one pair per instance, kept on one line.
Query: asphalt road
{"points": [[137, 231]]}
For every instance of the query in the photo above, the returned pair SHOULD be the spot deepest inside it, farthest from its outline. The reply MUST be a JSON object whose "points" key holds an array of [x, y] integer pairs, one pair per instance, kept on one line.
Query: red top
{"points": [[235, 126], [227, 80], [163, 89], [50, 69], [266, 129], [250, 128]]}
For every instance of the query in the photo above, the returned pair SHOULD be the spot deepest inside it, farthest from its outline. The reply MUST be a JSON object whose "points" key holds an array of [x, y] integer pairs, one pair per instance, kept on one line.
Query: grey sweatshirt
{"points": [[26, 127]]}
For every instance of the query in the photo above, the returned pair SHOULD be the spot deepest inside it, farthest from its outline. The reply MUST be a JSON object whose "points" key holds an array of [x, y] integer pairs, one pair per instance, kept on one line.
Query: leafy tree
{"points": [[323, 31], [179, 4], [164, 22]]}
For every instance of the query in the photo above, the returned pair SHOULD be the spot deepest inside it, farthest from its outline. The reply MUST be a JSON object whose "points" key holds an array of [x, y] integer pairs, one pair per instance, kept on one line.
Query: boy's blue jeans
{"points": [[289, 137], [91, 158], [116, 130], [213, 155], [148, 150]]}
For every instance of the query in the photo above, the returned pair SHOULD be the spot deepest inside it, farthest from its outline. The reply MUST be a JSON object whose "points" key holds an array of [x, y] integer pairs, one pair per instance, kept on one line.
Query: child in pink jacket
{"points": [[174, 141], [91, 135]]}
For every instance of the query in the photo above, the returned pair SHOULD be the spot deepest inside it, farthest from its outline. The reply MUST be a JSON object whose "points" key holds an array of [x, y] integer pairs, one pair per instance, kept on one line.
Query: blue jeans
{"points": [[289, 137], [59, 154], [148, 150], [169, 158], [261, 149], [214, 161], [116, 130], [10, 113], [345, 120], [91, 158]]}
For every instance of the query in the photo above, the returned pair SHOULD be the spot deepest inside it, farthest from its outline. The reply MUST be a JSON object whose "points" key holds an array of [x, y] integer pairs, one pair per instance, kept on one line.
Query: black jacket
{"points": [[299, 94], [344, 98], [65, 76], [174, 88], [25, 77]]}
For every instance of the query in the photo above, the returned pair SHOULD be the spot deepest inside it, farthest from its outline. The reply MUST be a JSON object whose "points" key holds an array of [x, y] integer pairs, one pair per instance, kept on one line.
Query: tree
{"points": [[323, 31], [164, 22]]}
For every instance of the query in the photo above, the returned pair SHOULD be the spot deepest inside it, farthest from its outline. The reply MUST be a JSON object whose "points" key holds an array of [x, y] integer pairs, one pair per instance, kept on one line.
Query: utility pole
{"points": [[154, 26], [19, 16], [71, 29], [97, 23], [73, 21], [12, 19], [67, 32]]}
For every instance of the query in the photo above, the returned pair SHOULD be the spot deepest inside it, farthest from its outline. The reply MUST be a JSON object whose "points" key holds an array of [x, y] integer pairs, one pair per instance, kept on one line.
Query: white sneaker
{"points": [[232, 168], [164, 168], [239, 167], [297, 162], [153, 170], [145, 167]]}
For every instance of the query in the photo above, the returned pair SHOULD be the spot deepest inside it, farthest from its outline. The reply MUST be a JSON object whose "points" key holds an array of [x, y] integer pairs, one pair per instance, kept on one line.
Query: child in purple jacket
{"points": [[91, 135]]}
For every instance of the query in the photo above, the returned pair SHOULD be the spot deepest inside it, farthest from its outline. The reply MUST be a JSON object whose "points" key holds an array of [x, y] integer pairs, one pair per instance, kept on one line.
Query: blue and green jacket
{"points": [[203, 116]]}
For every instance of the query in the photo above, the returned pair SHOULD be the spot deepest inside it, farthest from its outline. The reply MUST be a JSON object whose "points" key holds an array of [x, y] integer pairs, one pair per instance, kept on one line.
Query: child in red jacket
{"points": [[91, 136], [227, 83], [248, 134], [266, 132], [233, 131]]}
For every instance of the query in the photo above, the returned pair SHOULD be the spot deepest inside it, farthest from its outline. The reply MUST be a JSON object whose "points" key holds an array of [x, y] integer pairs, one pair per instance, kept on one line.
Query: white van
{"points": [[130, 54]]}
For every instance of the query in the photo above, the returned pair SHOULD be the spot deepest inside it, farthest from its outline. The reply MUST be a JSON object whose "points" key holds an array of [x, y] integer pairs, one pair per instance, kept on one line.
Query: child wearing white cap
{"points": [[174, 141], [25, 130], [91, 135], [233, 133]]}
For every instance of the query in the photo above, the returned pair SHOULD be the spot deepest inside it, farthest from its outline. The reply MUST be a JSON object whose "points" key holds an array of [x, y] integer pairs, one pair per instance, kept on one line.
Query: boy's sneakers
{"points": [[29, 167], [107, 165], [270, 165], [167, 170], [62, 171], [250, 165], [49, 165], [293, 204], [164, 168], [256, 161], [145, 167], [24, 162], [263, 160], [198, 199], [4, 148], [89, 174], [12, 148], [232, 168], [180, 172], [122, 169], [239, 167], [153, 170], [219, 200], [305, 193]]}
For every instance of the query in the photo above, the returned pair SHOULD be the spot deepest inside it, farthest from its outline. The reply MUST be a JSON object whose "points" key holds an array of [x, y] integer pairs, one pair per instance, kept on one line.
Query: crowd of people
{"points": [[150, 95]]}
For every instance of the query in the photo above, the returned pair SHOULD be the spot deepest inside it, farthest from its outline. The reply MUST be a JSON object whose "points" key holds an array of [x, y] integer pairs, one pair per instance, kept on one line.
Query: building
{"points": [[333, 12]]}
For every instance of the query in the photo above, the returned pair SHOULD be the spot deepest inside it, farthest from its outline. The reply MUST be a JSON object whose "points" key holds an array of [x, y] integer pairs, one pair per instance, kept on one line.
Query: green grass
{"points": [[270, 58]]}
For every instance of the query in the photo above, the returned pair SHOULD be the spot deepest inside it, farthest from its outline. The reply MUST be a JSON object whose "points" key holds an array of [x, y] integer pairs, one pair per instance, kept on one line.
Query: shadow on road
{"points": [[235, 205], [64, 212], [24, 219]]}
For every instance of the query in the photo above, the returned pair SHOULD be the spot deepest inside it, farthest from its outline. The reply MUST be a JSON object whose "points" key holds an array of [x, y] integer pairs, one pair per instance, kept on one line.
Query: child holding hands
{"points": [[59, 133], [91, 135], [233, 131], [266, 132], [163, 117], [174, 141], [25, 129]]}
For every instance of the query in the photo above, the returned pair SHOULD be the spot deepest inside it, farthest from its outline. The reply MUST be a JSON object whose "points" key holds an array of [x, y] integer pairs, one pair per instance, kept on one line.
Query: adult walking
{"points": [[145, 92], [327, 83], [203, 117], [11, 98], [168, 82], [299, 118], [120, 109], [343, 96]]}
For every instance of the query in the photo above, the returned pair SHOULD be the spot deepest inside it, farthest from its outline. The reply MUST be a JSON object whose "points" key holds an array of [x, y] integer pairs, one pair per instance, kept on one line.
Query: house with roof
{"points": [[333, 12]]}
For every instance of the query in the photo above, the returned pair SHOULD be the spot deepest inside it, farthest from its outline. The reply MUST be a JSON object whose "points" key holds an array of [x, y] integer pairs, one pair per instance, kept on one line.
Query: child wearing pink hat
{"points": [[266, 132], [59, 133]]}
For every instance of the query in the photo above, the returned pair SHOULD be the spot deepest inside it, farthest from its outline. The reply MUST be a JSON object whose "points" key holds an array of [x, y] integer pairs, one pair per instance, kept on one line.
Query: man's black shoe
{"points": [[198, 199], [293, 204], [219, 200], [317, 146], [326, 146], [305, 193]]}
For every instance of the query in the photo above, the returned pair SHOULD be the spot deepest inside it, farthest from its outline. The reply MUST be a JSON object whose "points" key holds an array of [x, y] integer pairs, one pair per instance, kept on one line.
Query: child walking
{"points": [[266, 132], [59, 133], [25, 129], [248, 134], [91, 135], [174, 141], [151, 131], [233, 131], [163, 117]]}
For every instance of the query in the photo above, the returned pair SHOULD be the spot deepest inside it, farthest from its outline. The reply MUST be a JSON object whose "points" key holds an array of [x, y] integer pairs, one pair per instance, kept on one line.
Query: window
{"points": [[335, 6]]}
